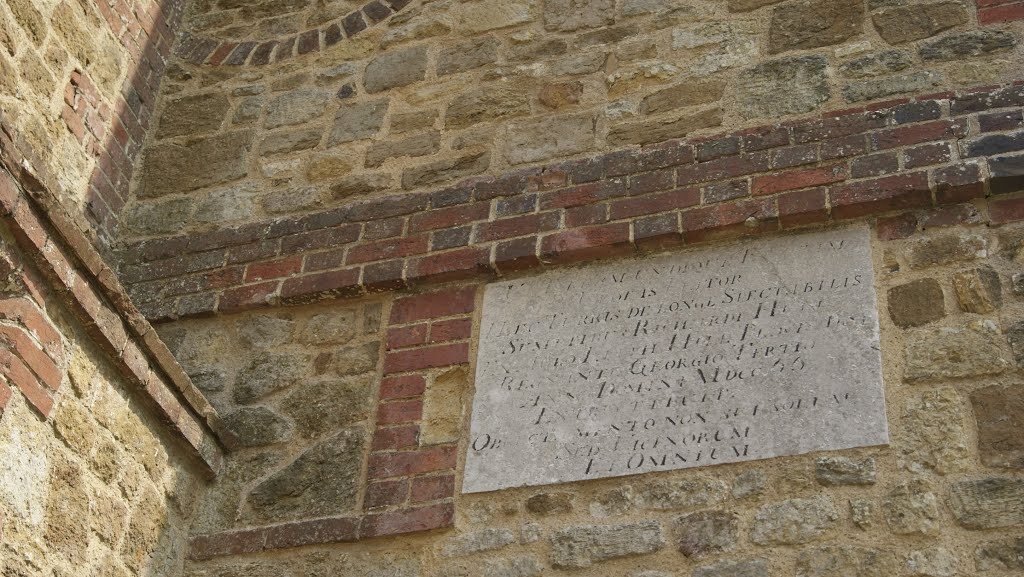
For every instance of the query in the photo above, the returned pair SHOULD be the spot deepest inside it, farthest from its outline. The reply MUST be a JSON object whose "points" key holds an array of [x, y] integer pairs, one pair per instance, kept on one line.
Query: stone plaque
{"points": [[741, 352]]}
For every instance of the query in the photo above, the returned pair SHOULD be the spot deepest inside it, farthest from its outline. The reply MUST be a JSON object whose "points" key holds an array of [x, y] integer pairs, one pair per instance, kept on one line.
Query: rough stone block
{"points": [[916, 303], [793, 522], [999, 414], [728, 568], [170, 168], [395, 68], [810, 24], [945, 249], [319, 407], [1006, 555], [968, 45], [545, 504], [934, 433], [792, 85], [550, 137], [193, 115], [878, 64], [831, 471], [955, 352], [901, 24], [978, 290], [843, 561], [296, 107], [468, 55], [912, 509], [582, 546], [479, 106], [479, 541], [991, 503], [257, 426], [569, 15], [706, 532], [936, 562], [357, 121]]}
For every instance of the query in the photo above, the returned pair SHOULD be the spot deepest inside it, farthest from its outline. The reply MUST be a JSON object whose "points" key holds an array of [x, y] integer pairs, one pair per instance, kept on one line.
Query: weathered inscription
{"points": [[744, 352]]}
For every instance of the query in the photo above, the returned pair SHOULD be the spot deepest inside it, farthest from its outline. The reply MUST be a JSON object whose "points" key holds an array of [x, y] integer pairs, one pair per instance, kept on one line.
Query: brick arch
{"points": [[211, 52]]}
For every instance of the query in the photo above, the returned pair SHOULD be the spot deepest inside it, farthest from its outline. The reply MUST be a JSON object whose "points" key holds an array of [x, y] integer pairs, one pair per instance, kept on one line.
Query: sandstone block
{"points": [[444, 406], [1018, 284], [161, 217], [706, 532], [955, 352], [416, 29], [419, 145], [518, 566], [582, 546], [468, 55], [569, 15], [842, 561], [296, 107], [267, 373], [257, 426], [248, 110], [999, 414], [360, 184], [474, 17], [810, 24], [550, 137], [793, 522], [916, 303], [750, 483], [937, 562], [935, 437], [445, 170], [728, 568], [560, 95], [322, 481], [791, 85], [545, 504], [901, 24], [912, 509], [876, 88], [1015, 335], [334, 327], [395, 68], [648, 132], [327, 167], [862, 513], [479, 541], [967, 45], [357, 121], [990, 503], [320, 407], [193, 115], [879, 64], [832, 471], [1007, 555], [978, 290], [479, 106], [666, 495], [169, 168], [946, 248], [681, 95], [286, 141], [353, 360], [748, 5]]}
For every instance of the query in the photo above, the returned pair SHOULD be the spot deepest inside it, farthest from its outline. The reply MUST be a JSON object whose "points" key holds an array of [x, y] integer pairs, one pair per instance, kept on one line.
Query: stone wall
{"points": [[78, 84], [290, 108], [944, 498]]}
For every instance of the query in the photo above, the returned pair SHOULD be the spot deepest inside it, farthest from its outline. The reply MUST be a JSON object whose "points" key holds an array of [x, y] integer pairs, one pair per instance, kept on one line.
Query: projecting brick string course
{"points": [[931, 152]]}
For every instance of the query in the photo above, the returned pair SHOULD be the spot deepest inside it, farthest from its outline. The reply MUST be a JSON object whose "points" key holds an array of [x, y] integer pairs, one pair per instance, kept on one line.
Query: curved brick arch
{"points": [[211, 52]]}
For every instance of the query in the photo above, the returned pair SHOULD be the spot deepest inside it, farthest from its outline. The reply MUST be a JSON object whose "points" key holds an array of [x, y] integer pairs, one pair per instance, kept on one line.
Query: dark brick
{"points": [[896, 227], [722, 168], [927, 154], [400, 437], [795, 179], [584, 194], [523, 225], [318, 532], [408, 520], [384, 276], [386, 207], [718, 148], [658, 232], [510, 206], [958, 183], [654, 203], [309, 288], [802, 207], [1007, 174], [451, 265], [587, 215], [729, 219], [376, 11], [421, 358], [764, 138], [433, 488], [451, 196], [517, 254], [433, 305], [794, 156], [920, 111], [450, 238], [387, 249], [874, 165], [386, 493], [918, 133], [402, 387], [587, 243], [353, 24], [999, 121], [651, 181], [880, 195], [723, 191], [449, 217], [994, 144]]}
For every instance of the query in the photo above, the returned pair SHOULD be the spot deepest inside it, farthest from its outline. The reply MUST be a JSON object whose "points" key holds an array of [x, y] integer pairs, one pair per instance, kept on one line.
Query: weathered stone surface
{"points": [[444, 405], [706, 532], [794, 521], [550, 137], [474, 17], [360, 184], [529, 533], [161, 217], [265, 331], [318, 408], [831, 471], [945, 249], [791, 85], [937, 562], [876, 88], [814, 23], [878, 64], [560, 95], [170, 168], [750, 483], [479, 106], [257, 426], [445, 170], [416, 29], [296, 107], [912, 509], [916, 303], [728, 568], [468, 55], [978, 290], [569, 15], [671, 494], [935, 435], [719, 46], [989, 503], [862, 513], [410, 121], [357, 121], [326, 167], [613, 502], [353, 360], [419, 145], [322, 481], [193, 115], [661, 130], [67, 510], [955, 352], [550, 503], [268, 373], [999, 413], [1007, 554], [247, 111], [967, 45], [842, 561], [285, 141], [901, 24], [395, 68], [338, 326], [1015, 335], [585, 545], [479, 541], [518, 566], [681, 95]]}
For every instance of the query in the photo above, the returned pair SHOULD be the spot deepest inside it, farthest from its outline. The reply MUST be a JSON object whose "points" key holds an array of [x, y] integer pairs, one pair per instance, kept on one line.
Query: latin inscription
{"points": [[744, 352]]}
